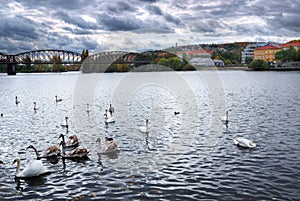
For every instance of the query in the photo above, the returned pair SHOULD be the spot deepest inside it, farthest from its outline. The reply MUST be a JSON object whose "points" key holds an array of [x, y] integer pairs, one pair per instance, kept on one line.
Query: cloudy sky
{"points": [[137, 25]]}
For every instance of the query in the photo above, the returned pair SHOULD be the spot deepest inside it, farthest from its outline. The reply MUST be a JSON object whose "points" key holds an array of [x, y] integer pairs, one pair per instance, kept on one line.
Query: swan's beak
{"points": [[14, 162]]}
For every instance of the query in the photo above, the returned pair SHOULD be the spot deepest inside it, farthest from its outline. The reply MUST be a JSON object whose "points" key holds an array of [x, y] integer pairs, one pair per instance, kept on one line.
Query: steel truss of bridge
{"points": [[41, 57]]}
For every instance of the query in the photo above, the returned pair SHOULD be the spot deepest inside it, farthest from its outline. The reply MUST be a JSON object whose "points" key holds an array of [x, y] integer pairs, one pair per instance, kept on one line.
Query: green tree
{"points": [[286, 55], [57, 64], [84, 54], [258, 65]]}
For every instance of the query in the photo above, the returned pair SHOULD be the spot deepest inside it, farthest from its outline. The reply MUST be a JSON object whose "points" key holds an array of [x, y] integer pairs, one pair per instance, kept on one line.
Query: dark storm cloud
{"points": [[75, 20], [154, 10], [55, 4], [18, 28], [76, 24], [120, 6], [112, 23]]}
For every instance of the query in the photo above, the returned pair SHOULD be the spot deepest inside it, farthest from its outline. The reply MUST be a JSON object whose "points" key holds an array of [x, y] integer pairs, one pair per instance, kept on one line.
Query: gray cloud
{"points": [[57, 24]]}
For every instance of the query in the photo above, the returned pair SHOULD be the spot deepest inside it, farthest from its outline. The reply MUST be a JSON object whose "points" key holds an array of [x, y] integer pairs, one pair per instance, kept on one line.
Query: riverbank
{"points": [[249, 69]]}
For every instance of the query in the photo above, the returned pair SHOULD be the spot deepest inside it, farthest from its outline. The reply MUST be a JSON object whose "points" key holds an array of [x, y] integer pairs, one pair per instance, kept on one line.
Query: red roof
{"points": [[267, 47], [287, 45]]}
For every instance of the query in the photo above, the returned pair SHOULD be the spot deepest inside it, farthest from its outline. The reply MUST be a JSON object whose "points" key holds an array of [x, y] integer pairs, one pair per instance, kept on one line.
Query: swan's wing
{"points": [[143, 129], [34, 168]]}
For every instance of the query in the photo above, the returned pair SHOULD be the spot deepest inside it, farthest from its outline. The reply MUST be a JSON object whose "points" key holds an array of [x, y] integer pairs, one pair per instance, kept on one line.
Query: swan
{"points": [[32, 169], [72, 142], [34, 107], [17, 102], [57, 99], [76, 153], [111, 109], [110, 146], [225, 118], [145, 129], [52, 151], [65, 124], [243, 142], [109, 119], [88, 108]]}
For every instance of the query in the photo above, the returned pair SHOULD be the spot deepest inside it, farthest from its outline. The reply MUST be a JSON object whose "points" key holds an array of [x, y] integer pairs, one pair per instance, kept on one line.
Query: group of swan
{"points": [[239, 141]]}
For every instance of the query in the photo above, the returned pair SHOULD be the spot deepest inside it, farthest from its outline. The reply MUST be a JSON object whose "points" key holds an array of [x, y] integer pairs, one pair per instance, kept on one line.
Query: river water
{"points": [[189, 156]]}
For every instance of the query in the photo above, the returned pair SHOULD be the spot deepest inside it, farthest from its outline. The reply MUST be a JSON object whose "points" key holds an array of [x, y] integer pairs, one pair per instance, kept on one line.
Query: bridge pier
{"points": [[11, 69]]}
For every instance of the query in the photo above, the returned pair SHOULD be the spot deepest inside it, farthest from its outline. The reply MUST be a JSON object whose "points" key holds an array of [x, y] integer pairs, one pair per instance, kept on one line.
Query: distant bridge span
{"points": [[41, 56]]}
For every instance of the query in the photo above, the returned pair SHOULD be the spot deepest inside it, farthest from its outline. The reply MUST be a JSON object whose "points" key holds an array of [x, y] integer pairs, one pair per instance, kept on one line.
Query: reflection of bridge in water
{"points": [[39, 57]]}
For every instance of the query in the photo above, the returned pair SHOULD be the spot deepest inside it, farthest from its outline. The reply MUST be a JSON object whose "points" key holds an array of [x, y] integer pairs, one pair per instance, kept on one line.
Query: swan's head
{"points": [[66, 118], [17, 160], [34, 103], [30, 147], [55, 96], [109, 139], [98, 140], [61, 136]]}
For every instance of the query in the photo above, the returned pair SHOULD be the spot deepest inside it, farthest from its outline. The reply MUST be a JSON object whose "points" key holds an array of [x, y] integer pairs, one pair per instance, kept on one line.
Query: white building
{"points": [[249, 51]]}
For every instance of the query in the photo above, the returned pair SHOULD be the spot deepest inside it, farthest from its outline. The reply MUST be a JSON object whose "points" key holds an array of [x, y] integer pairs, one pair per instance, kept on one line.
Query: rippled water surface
{"points": [[189, 156]]}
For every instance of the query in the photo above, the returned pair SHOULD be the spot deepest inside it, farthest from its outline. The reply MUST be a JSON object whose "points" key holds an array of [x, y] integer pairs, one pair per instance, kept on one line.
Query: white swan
{"points": [[52, 151], [110, 147], [108, 117], [71, 143], [57, 99], [17, 102], [225, 119], [145, 129], [243, 142], [32, 169], [65, 124]]}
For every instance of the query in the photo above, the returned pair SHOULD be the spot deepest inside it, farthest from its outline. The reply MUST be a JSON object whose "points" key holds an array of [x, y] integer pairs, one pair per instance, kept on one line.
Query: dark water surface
{"points": [[189, 156]]}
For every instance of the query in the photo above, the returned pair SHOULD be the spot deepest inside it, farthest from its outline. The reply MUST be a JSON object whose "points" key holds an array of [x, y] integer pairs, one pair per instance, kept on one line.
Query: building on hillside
{"points": [[286, 46], [202, 62], [249, 51], [194, 53], [219, 62], [266, 53]]}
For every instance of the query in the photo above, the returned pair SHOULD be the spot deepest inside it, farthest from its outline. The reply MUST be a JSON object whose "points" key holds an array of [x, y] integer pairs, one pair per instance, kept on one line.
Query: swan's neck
{"points": [[146, 125], [18, 167], [226, 116], [63, 147], [63, 139], [36, 152]]}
